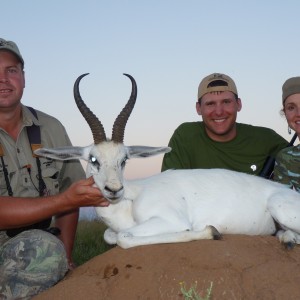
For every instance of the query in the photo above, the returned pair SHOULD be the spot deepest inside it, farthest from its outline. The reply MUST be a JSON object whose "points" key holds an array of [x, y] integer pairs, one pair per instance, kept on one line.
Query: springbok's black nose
{"points": [[112, 191]]}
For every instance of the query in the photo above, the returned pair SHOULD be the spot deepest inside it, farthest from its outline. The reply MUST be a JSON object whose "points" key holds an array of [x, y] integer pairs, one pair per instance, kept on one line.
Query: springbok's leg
{"points": [[288, 238], [285, 209], [110, 236], [157, 231]]}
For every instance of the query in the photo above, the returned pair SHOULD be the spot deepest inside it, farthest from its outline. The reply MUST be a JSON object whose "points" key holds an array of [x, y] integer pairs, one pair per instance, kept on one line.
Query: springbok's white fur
{"points": [[176, 205], [182, 205]]}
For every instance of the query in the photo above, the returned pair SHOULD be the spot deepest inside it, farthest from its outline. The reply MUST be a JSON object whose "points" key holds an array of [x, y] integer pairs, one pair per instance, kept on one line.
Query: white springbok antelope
{"points": [[177, 205]]}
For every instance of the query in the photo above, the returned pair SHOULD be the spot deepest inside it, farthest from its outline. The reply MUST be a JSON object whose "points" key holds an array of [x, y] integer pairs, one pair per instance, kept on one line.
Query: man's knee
{"points": [[34, 260]]}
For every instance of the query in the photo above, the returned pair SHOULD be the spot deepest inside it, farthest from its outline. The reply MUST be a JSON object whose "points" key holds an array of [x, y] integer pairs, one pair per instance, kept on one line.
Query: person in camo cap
{"points": [[34, 256], [287, 166]]}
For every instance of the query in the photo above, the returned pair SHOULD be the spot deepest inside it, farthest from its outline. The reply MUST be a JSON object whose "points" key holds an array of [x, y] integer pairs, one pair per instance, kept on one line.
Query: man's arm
{"points": [[175, 158], [18, 212], [67, 223]]}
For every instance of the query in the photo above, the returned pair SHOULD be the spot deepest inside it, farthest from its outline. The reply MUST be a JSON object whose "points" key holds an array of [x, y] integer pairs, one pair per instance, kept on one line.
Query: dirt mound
{"points": [[240, 267]]}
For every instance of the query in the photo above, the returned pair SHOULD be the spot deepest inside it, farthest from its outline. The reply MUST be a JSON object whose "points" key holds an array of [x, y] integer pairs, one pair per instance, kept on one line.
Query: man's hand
{"points": [[84, 193]]}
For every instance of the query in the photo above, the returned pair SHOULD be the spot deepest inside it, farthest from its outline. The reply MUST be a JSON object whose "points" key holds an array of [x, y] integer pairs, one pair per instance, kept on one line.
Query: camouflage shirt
{"points": [[287, 167]]}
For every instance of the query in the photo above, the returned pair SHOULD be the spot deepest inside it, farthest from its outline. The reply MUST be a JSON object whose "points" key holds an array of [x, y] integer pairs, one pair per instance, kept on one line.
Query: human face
{"points": [[12, 81], [292, 112], [219, 112]]}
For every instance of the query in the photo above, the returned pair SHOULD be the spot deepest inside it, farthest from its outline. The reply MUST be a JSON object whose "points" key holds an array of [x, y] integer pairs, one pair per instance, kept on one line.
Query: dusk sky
{"points": [[167, 46]]}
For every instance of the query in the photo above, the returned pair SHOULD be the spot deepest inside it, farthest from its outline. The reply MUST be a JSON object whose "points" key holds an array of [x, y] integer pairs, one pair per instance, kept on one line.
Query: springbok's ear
{"points": [[65, 153], [145, 151]]}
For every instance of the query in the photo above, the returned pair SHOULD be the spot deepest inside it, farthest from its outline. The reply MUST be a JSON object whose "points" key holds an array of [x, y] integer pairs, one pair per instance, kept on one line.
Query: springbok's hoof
{"points": [[289, 245], [215, 233]]}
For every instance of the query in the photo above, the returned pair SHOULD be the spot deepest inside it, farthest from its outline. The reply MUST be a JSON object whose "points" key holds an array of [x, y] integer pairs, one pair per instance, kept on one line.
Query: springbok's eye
{"points": [[123, 163], [93, 160]]}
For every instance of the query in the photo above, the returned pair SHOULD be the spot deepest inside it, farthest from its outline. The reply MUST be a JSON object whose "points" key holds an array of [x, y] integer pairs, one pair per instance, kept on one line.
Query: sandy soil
{"points": [[240, 267]]}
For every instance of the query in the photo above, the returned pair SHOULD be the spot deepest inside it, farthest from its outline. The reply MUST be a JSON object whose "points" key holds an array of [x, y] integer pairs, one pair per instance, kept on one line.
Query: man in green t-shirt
{"points": [[219, 141]]}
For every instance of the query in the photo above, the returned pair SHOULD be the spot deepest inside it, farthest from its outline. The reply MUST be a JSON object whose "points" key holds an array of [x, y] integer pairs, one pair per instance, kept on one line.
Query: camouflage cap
{"points": [[216, 82], [12, 47], [290, 87]]}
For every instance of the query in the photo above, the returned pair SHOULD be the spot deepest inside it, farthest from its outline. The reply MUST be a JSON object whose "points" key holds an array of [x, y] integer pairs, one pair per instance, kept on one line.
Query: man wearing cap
{"points": [[287, 167], [34, 189], [219, 141]]}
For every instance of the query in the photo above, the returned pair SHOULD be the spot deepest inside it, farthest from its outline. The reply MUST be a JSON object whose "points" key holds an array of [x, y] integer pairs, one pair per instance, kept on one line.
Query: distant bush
{"points": [[89, 241]]}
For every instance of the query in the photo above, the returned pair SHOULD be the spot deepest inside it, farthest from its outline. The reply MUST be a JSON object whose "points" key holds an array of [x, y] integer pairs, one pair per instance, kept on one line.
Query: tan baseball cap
{"points": [[216, 82], [12, 47], [290, 87]]}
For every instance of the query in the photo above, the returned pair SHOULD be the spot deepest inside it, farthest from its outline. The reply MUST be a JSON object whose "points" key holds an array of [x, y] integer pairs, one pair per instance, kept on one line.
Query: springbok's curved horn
{"points": [[95, 125], [121, 120]]}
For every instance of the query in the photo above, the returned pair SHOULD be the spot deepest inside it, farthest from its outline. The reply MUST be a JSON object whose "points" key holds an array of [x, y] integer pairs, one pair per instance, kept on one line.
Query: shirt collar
{"points": [[28, 118]]}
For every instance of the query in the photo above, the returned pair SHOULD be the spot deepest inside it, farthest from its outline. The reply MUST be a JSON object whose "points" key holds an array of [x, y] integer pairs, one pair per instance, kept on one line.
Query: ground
{"points": [[239, 266]]}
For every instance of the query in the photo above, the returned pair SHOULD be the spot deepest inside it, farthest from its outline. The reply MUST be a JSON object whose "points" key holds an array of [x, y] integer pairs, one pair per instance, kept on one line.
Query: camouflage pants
{"points": [[30, 263]]}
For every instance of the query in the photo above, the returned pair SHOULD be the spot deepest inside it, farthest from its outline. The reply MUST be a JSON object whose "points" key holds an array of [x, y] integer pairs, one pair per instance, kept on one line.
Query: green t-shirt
{"points": [[287, 167], [247, 152]]}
